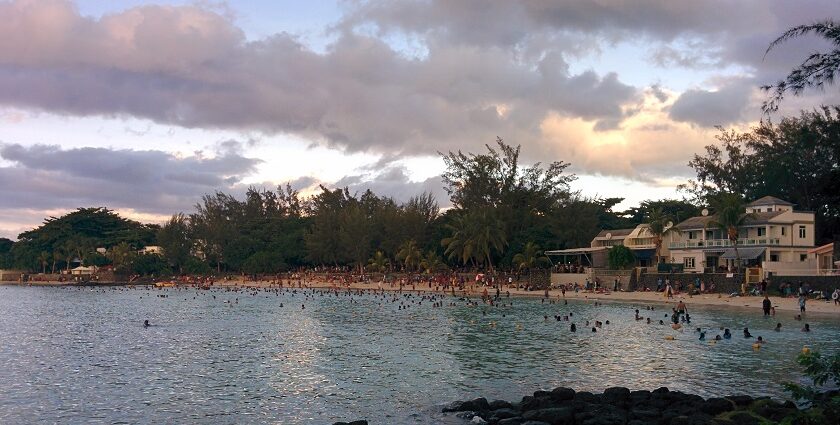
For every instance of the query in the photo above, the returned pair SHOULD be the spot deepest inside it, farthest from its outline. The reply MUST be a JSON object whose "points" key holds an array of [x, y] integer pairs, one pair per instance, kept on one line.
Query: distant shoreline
{"points": [[781, 304]]}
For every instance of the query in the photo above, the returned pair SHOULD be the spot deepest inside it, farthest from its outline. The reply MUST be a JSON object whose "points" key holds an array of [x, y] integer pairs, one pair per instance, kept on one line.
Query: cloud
{"points": [[155, 182], [394, 182], [192, 67], [707, 108]]}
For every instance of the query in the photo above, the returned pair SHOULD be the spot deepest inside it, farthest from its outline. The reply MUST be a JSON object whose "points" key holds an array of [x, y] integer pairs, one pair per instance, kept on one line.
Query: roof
{"points": [[746, 253], [825, 249], [769, 200], [575, 251], [703, 222], [615, 233]]}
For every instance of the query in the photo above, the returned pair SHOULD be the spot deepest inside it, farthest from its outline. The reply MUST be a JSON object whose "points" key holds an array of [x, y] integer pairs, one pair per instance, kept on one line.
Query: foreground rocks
{"points": [[620, 406]]}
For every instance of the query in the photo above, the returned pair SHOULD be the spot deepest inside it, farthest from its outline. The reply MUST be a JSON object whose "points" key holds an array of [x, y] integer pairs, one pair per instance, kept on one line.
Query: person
{"points": [[747, 333], [766, 305], [717, 338], [807, 328], [836, 296], [573, 328], [760, 340], [637, 315], [146, 324], [702, 336], [778, 327], [727, 334], [802, 303]]}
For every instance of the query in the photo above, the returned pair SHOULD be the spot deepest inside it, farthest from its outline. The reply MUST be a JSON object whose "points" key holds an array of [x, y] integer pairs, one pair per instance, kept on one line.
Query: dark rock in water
{"points": [[563, 394], [772, 410], [553, 416], [503, 413], [716, 406], [499, 404], [603, 414], [467, 415], [511, 421], [616, 395], [744, 418], [352, 423], [541, 393], [535, 423], [533, 403], [649, 414], [479, 404], [587, 397], [639, 396], [740, 400], [661, 390]]}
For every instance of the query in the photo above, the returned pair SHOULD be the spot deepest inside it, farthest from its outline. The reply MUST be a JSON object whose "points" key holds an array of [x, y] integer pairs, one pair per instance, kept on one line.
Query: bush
{"points": [[620, 257]]}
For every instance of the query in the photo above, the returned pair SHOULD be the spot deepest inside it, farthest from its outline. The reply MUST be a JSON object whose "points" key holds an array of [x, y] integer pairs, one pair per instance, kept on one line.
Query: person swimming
{"points": [[760, 340], [718, 338], [146, 324], [648, 320], [747, 333], [727, 334], [778, 327], [807, 328], [573, 328], [702, 336]]}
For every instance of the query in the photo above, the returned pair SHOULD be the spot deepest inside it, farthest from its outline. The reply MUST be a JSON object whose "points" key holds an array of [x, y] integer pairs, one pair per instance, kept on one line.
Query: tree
{"points": [[175, 239], [432, 263], [816, 71], [531, 257], [44, 259], [619, 257], [730, 216], [121, 256], [475, 236], [660, 225], [410, 255], [379, 262]]}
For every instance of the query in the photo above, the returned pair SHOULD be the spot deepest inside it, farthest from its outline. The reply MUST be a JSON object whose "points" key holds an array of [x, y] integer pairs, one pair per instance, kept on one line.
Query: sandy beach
{"points": [[790, 304]]}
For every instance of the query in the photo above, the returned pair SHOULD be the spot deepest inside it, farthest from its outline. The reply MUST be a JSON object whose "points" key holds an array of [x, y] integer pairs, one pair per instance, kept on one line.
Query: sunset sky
{"points": [[145, 106]]}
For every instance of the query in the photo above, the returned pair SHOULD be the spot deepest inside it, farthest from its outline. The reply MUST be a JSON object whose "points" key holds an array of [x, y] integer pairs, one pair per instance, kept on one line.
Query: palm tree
{"points": [[458, 245], [729, 217], [817, 70], [487, 235], [432, 262], [44, 259], [409, 254], [379, 262], [530, 257], [660, 225], [120, 255]]}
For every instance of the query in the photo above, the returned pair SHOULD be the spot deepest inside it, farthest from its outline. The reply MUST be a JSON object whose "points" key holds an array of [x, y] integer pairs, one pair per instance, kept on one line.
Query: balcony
{"points": [[723, 243]]}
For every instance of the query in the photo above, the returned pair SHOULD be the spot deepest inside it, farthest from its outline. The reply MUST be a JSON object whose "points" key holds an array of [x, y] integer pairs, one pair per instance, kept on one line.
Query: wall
{"points": [[723, 284], [814, 282], [568, 279], [10, 275]]}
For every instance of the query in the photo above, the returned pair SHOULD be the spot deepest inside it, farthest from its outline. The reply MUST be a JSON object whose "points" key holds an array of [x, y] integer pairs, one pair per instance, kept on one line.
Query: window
{"points": [[762, 231], [769, 209], [783, 231], [690, 235], [802, 232], [803, 257], [688, 262], [774, 257]]}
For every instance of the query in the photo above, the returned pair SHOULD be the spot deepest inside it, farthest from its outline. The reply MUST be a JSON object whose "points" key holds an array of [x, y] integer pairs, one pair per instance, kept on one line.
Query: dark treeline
{"points": [[503, 215]]}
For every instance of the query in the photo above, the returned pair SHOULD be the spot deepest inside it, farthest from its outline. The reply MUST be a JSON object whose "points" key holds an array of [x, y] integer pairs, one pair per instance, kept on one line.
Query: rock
{"points": [[661, 390], [587, 397], [553, 416], [563, 394], [639, 396], [541, 393], [716, 406], [362, 422], [649, 414], [744, 418], [740, 400], [503, 413], [535, 423], [699, 419], [616, 395], [601, 415], [465, 415], [479, 404], [532, 403], [771, 410], [511, 421], [499, 404], [478, 420]]}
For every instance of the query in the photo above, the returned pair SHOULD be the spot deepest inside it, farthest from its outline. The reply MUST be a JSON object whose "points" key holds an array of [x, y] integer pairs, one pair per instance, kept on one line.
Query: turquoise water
{"points": [[74, 355]]}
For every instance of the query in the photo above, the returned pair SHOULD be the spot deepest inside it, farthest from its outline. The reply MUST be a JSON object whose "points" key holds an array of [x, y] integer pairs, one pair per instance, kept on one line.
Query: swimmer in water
{"points": [[760, 340], [718, 338], [573, 328], [807, 328], [727, 334], [146, 324], [648, 320], [702, 336], [778, 327], [747, 333]]}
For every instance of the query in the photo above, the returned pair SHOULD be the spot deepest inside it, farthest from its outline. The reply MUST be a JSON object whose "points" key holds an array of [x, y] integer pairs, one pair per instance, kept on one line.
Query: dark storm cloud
{"points": [[713, 108], [44, 176], [395, 183]]}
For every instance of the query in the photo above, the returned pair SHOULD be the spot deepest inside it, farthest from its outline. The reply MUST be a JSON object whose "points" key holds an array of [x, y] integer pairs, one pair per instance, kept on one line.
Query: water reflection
{"points": [[82, 356]]}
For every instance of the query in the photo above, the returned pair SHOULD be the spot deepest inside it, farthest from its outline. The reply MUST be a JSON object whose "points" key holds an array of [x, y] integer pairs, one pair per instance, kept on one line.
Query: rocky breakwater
{"points": [[620, 406]]}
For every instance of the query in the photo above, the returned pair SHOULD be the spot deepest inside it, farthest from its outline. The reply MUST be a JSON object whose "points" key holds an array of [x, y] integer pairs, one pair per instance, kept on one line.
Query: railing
{"points": [[724, 243]]}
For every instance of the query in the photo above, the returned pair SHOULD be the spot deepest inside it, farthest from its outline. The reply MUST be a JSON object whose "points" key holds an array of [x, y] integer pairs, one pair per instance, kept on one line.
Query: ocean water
{"points": [[82, 355]]}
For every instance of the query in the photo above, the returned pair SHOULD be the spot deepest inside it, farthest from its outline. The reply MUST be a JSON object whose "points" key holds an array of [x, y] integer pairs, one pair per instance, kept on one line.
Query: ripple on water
{"points": [[74, 355]]}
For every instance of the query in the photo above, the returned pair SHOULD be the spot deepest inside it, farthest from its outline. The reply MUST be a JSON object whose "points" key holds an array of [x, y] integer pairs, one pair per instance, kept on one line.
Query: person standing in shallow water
{"points": [[766, 305]]}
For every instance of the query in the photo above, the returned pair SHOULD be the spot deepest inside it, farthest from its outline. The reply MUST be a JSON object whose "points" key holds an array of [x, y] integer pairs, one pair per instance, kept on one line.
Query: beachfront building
{"points": [[639, 239], [824, 260], [775, 237]]}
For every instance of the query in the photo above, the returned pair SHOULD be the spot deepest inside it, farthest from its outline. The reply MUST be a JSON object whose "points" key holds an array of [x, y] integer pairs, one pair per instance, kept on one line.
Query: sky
{"points": [[145, 106]]}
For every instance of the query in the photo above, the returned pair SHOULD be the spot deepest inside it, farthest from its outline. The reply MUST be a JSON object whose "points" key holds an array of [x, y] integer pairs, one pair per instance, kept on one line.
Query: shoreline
{"points": [[780, 304]]}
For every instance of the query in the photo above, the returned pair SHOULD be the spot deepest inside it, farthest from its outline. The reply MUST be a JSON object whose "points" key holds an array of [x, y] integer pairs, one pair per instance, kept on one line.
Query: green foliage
{"points": [[818, 69], [193, 265], [660, 224], [620, 257], [379, 262], [96, 259], [150, 265], [6, 259], [264, 262], [530, 258], [410, 255], [823, 371]]}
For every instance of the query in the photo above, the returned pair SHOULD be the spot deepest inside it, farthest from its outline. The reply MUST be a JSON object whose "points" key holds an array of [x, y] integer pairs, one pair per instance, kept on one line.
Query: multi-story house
{"points": [[774, 237]]}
